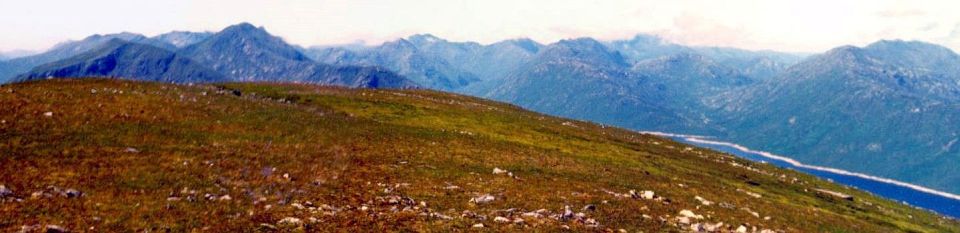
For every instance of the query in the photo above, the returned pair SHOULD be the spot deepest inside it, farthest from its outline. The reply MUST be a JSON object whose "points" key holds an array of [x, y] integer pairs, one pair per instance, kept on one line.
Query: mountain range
{"points": [[887, 109], [240, 52]]}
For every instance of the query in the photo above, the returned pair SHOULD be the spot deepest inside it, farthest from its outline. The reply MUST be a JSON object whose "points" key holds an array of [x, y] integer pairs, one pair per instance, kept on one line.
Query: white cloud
{"points": [[811, 26]]}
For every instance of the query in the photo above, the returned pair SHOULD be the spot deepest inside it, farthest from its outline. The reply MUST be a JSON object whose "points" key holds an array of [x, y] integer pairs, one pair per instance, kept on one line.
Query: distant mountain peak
{"points": [[244, 26], [123, 35], [902, 46], [586, 50], [424, 38], [246, 29]]}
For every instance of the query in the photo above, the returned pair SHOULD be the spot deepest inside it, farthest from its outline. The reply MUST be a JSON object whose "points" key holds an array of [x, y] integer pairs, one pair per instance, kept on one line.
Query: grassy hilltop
{"points": [[111, 156]]}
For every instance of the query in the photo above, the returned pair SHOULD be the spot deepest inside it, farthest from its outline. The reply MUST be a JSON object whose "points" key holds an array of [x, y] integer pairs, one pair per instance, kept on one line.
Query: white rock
{"points": [[703, 201], [647, 194], [498, 171], [500, 219], [48, 114], [531, 215], [567, 213], [690, 214], [742, 229], [55, 229], [712, 227], [290, 221], [4, 191], [478, 225], [483, 199]]}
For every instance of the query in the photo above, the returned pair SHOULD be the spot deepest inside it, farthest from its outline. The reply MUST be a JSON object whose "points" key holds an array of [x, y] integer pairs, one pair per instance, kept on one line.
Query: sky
{"points": [[792, 26]]}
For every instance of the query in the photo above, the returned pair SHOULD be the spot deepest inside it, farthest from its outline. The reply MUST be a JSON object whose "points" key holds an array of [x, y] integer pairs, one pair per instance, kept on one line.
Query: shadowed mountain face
{"points": [[238, 53], [247, 53], [119, 58], [888, 109], [14, 67], [584, 79]]}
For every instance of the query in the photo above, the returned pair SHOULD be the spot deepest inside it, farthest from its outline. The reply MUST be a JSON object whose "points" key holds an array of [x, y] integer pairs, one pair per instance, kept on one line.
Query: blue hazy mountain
{"points": [[238, 53], [434, 62], [180, 39], [124, 59], [585, 79], [17, 53], [420, 58], [243, 52], [889, 109], [756, 64], [13, 67]]}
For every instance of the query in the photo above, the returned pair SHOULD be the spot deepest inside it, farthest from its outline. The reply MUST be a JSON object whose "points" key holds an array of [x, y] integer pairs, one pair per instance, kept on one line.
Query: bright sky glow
{"points": [[800, 26]]}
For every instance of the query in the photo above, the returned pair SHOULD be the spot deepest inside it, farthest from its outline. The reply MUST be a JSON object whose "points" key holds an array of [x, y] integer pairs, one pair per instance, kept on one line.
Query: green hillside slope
{"points": [[114, 156]]}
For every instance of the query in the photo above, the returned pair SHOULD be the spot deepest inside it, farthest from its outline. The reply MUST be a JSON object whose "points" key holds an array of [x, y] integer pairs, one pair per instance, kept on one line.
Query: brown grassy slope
{"points": [[157, 157]]}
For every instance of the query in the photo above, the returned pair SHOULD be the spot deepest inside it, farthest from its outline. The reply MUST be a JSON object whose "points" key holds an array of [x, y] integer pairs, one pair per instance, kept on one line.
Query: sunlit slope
{"points": [[264, 157]]}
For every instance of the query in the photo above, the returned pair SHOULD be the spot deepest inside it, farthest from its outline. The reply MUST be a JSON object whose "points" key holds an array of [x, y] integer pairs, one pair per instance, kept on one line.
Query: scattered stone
{"points": [[742, 229], [835, 194], [55, 229], [483, 199], [712, 227], [71, 193], [590, 208], [48, 114], [752, 194], [5, 192], [567, 214], [591, 222], [478, 225], [531, 215], [498, 171], [727, 205], [290, 221], [268, 226], [28, 228], [131, 150], [441, 216], [225, 198], [689, 214], [703, 201], [500, 219]]}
